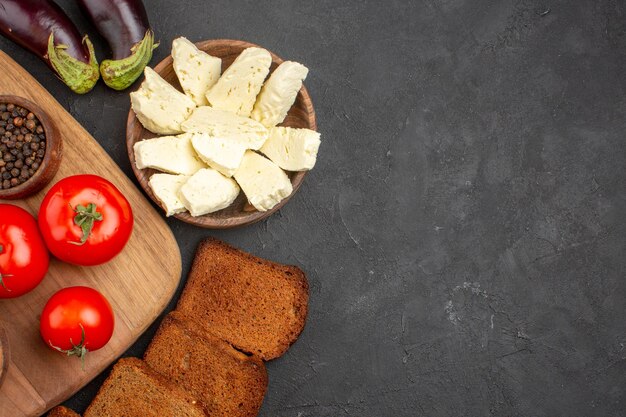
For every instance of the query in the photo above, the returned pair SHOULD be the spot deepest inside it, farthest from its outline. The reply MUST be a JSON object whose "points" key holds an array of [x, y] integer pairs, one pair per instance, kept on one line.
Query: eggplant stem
{"points": [[77, 75], [120, 74]]}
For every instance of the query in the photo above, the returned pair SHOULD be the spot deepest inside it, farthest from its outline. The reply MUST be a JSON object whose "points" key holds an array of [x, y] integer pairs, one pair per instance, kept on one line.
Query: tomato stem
{"points": [[2, 276], [85, 219], [77, 350]]}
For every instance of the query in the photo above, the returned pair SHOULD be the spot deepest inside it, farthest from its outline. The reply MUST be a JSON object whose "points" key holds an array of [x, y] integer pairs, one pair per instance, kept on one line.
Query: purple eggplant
{"points": [[124, 24], [43, 28]]}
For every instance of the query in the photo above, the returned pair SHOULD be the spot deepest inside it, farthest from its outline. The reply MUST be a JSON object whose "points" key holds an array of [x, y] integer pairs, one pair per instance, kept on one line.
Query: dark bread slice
{"points": [[135, 390], [228, 382], [61, 411], [258, 306]]}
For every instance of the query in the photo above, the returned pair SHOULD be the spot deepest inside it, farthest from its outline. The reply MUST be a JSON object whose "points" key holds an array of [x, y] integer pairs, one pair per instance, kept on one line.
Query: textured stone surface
{"points": [[463, 230]]}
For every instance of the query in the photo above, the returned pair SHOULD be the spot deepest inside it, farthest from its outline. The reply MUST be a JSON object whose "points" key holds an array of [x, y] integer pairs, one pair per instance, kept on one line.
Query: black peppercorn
{"points": [[22, 145]]}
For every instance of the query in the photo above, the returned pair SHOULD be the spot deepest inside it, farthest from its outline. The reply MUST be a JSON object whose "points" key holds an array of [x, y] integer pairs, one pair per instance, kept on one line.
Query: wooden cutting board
{"points": [[138, 283]]}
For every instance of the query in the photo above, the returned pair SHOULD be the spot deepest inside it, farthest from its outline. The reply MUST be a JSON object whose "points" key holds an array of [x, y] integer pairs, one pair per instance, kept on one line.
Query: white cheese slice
{"points": [[208, 191], [247, 132], [292, 149], [263, 182], [279, 93], [166, 187], [222, 154], [160, 107], [172, 154], [197, 71], [238, 87]]}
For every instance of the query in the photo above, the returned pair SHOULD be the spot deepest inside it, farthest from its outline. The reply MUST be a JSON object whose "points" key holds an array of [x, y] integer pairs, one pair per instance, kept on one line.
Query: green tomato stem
{"points": [[120, 74], [2, 276], [78, 350], [85, 219]]}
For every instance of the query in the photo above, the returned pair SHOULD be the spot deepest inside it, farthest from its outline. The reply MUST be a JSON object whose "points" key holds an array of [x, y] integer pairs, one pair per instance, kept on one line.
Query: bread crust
{"points": [[120, 396], [230, 383], [61, 411], [258, 306]]}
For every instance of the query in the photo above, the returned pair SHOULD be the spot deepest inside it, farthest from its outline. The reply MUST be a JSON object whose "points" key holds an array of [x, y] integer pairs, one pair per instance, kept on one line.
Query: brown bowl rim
{"points": [[208, 221], [51, 159]]}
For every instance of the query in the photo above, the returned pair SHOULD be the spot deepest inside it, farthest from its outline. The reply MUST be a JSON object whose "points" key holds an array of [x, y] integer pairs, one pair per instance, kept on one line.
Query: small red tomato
{"points": [[23, 256], [76, 320], [85, 220]]}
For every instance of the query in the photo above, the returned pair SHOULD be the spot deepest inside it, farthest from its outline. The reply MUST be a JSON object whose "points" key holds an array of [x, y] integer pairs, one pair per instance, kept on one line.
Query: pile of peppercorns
{"points": [[22, 145]]}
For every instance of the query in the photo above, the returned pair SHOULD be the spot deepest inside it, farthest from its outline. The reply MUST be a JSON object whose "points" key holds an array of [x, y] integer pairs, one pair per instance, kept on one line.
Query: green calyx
{"points": [[2, 276], [121, 73], [85, 218], [78, 350], [77, 75]]}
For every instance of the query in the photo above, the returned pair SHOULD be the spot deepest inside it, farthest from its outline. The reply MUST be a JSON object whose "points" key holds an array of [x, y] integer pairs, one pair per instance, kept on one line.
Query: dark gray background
{"points": [[463, 229]]}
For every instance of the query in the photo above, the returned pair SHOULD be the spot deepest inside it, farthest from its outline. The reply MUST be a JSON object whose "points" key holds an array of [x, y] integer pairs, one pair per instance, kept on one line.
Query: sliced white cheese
{"points": [[197, 71], [292, 149], [160, 107], [208, 191], [263, 182], [172, 154], [238, 87], [166, 187], [247, 132], [279, 93], [222, 154]]}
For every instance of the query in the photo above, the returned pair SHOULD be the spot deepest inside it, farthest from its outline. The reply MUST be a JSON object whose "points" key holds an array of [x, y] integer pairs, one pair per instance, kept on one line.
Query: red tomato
{"points": [[23, 256], [76, 320], [85, 220]]}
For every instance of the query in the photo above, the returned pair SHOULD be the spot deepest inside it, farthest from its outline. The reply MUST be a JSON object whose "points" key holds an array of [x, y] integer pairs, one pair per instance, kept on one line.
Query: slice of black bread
{"points": [[61, 411], [135, 390], [230, 383], [258, 306]]}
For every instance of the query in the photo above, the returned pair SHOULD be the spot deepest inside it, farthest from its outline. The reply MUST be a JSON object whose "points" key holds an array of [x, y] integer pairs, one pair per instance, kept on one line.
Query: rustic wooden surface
{"points": [[4, 354], [138, 283], [240, 213]]}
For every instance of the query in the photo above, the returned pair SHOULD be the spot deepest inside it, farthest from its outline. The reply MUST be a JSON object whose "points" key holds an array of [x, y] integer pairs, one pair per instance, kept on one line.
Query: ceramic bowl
{"points": [[240, 213]]}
